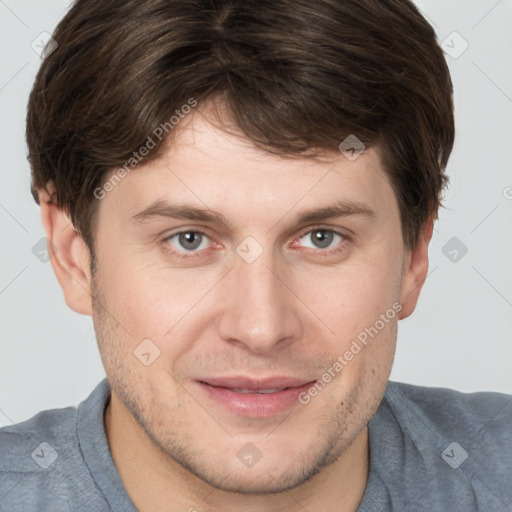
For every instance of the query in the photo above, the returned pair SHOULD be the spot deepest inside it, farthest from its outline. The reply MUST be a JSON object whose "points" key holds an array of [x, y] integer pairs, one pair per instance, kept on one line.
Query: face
{"points": [[297, 263]]}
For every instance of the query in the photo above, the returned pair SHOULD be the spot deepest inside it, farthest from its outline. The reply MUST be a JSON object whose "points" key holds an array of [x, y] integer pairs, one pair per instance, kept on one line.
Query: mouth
{"points": [[264, 391], [252, 398]]}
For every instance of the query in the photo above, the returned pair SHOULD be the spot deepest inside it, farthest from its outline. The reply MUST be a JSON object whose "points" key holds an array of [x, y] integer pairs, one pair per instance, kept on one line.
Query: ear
{"points": [[68, 253], [415, 271]]}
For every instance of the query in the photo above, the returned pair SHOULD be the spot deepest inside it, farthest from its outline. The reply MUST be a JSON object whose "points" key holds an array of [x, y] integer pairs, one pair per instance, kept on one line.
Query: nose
{"points": [[259, 308]]}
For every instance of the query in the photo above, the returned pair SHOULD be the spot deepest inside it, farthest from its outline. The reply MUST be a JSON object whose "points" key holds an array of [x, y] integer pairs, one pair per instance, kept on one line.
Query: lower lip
{"points": [[255, 405]]}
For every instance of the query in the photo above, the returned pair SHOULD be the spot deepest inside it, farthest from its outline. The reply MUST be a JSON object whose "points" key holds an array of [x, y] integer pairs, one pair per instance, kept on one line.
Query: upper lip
{"points": [[277, 382]]}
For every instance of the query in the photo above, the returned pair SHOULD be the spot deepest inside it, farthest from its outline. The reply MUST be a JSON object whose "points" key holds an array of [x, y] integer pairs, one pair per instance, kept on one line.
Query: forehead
{"points": [[207, 167]]}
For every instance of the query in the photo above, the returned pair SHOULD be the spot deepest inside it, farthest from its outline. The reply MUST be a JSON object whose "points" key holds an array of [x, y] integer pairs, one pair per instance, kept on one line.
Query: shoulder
{"points": [[41, 461], [36, 457], [470, 431], [33, 445], [448, 411], [442, 449]]}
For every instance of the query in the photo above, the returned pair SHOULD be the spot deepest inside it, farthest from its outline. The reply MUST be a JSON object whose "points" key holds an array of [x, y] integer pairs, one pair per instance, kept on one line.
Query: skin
{"points": [[292, 312]]}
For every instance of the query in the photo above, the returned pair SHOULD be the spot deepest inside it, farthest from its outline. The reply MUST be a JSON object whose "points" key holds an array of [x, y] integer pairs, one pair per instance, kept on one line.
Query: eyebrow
{"points": [[162, 208]]}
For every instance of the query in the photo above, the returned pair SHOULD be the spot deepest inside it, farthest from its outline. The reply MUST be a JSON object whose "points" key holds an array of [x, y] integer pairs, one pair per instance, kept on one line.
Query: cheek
{"points": [[359, 304], [160, 303], [351, 297]]}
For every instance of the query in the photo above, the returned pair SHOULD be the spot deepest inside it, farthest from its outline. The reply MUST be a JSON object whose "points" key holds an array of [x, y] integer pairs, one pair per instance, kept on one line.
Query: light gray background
{"points": [[460, 335]]}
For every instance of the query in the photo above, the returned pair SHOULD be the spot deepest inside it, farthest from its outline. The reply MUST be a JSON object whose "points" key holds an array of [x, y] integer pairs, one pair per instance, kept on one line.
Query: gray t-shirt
{"points": [[431, 449]]}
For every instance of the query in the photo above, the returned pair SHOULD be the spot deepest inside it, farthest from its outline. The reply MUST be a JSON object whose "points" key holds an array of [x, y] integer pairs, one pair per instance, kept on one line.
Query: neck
{"points": [[155, 482]]}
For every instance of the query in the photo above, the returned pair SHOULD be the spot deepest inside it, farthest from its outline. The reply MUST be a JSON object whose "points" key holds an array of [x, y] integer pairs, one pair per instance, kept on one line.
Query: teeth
{"points": [[264, 391]]}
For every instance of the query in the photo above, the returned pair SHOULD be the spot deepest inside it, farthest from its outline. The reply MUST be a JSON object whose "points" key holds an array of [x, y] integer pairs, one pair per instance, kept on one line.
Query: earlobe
{"points": [[68, 252], [415, 271]]}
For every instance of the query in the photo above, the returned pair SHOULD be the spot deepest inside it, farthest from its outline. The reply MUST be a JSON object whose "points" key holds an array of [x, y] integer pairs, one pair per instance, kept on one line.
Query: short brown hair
{"points": [[295, 76]]}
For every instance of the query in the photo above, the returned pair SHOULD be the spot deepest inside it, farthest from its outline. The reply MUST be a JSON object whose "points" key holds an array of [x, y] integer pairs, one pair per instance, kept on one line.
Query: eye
{"points": [[188, 241], [320, 238]]}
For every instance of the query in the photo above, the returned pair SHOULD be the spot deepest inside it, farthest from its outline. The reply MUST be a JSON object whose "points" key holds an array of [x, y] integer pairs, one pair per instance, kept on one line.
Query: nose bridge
{"points": [[260, 311]]}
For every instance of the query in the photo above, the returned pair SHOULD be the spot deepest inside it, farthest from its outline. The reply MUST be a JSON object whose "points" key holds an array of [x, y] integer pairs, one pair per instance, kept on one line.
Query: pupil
{"points": [[190, 240], [322, 238]]}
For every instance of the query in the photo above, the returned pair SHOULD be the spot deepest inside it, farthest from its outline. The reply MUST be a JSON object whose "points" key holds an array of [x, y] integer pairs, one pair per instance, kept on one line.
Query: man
{"points": [[242, 195]]}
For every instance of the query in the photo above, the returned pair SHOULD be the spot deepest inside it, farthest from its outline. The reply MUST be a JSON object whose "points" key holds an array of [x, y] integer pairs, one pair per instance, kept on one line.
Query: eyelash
{"points": [[327, 252]]}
